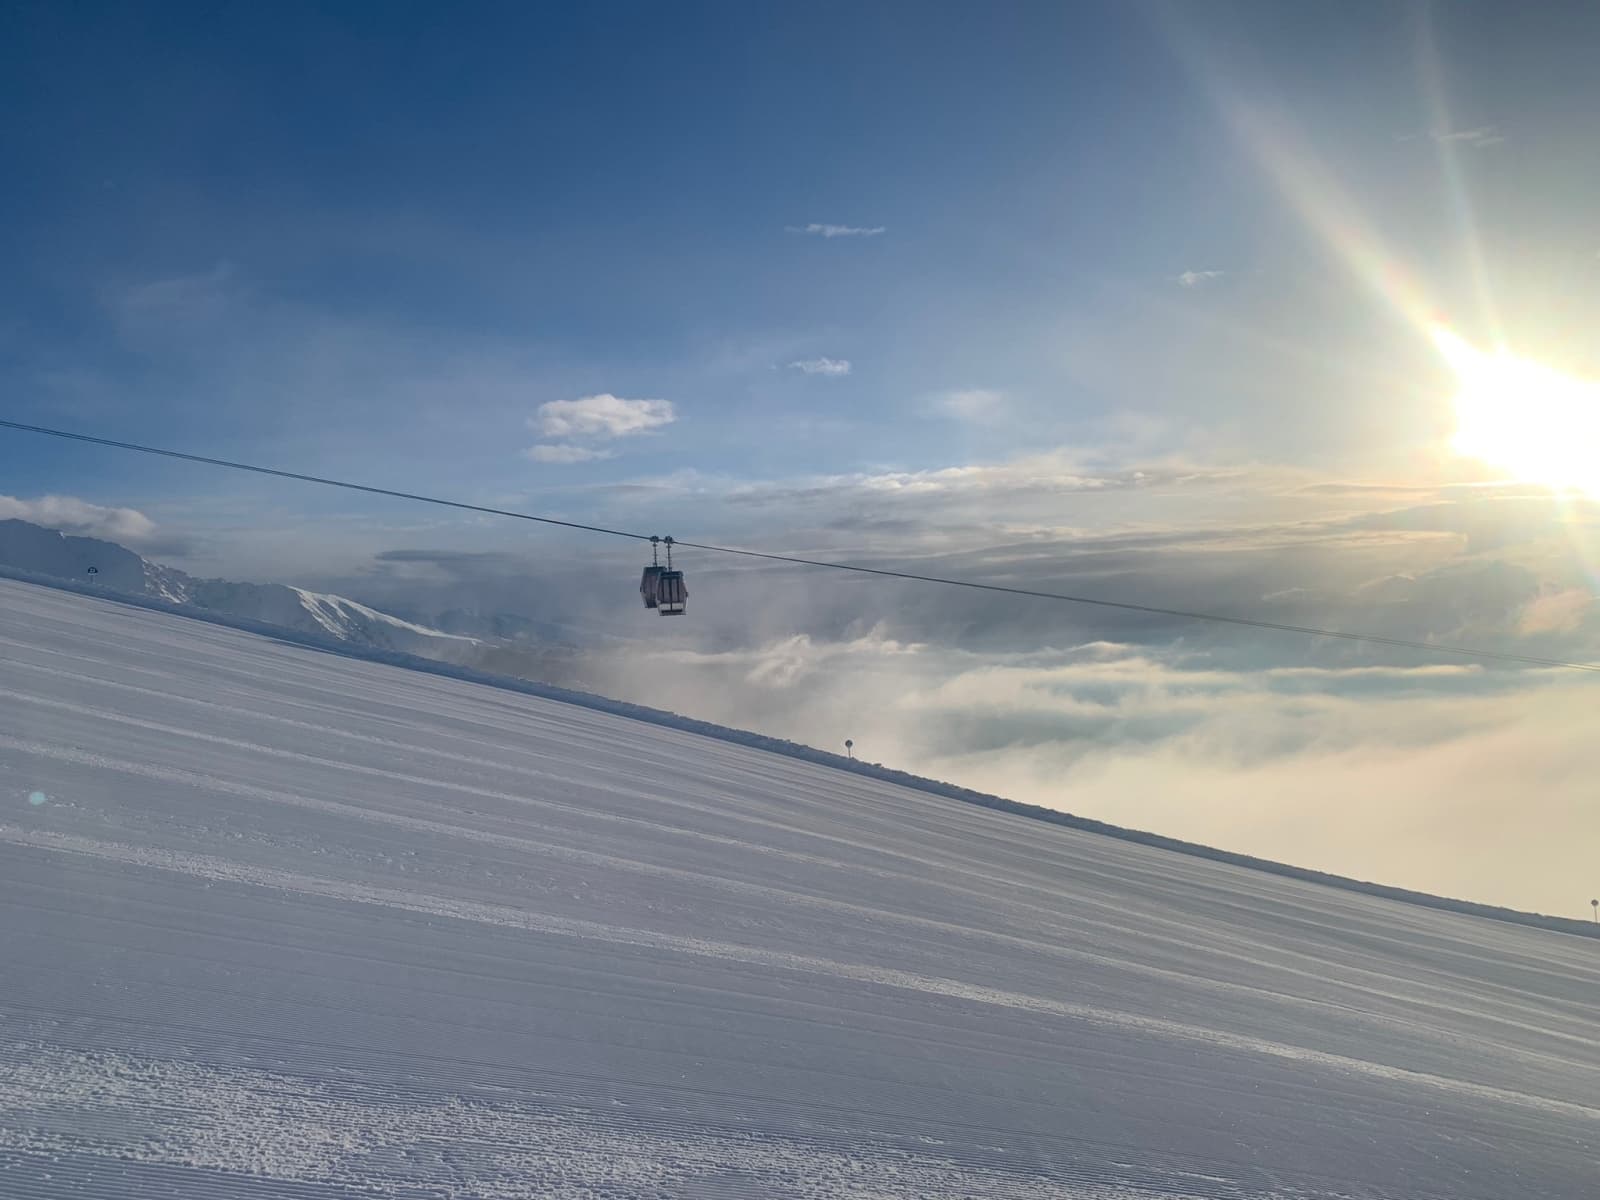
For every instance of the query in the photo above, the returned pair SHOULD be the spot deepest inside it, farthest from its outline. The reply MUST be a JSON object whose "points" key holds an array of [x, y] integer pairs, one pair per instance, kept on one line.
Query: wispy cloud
{"points": [[1481, 137], [565, 452], [1041, 477], [71, 515], [602, 416], [179, 299], [819, 229], [969, 404], [1193, 279], [822, 366]]}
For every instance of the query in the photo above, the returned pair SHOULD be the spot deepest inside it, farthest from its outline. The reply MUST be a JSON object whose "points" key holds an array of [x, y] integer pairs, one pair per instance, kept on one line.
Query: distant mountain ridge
{"points": [[41, 551]]}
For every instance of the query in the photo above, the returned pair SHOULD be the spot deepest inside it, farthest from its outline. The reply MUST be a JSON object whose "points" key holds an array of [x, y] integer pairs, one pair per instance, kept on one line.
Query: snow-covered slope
{"points": [[283, 924], [32, 548]]}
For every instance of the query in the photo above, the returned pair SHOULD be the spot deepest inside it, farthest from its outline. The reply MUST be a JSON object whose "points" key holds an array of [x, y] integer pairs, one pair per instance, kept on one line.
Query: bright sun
{"points": [[1528, 420]]}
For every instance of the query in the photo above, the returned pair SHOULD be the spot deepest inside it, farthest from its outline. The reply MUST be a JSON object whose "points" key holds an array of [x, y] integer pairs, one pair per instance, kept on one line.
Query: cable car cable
{"points": [[795, 560], [338, 483]]}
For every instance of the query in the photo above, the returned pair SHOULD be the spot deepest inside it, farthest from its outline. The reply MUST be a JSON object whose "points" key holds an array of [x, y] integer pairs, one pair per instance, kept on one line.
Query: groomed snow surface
{"points": [[279, 923]]}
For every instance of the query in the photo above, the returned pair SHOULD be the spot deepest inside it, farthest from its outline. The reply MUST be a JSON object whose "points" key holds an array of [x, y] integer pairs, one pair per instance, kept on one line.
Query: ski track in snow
{"points": [[293, 925]]}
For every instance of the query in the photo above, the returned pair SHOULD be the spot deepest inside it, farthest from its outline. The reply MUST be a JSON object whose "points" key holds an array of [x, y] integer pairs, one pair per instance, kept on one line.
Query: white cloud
{"points": [[970, 404], [822, 366], [565, 452], [71, 515], [1191, 279], [602, 416], [818, 229]]}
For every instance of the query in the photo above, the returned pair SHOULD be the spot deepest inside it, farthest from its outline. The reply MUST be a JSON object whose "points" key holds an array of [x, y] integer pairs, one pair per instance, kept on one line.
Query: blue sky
{"points": [[1120, 299], [377, 239]]}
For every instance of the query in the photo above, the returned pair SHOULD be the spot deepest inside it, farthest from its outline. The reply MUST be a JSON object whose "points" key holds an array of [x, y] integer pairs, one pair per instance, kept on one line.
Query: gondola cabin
{"points": [[672, 594], [662, 588], [650, 585]]}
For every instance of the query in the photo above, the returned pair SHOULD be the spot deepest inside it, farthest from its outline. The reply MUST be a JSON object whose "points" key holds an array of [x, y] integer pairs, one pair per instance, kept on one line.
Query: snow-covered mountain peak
{"points": [[350, 619]]}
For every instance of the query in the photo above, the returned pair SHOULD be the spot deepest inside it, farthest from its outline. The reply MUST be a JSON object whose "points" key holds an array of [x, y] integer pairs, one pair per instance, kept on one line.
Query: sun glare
{"points": [[1528, 420]]}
